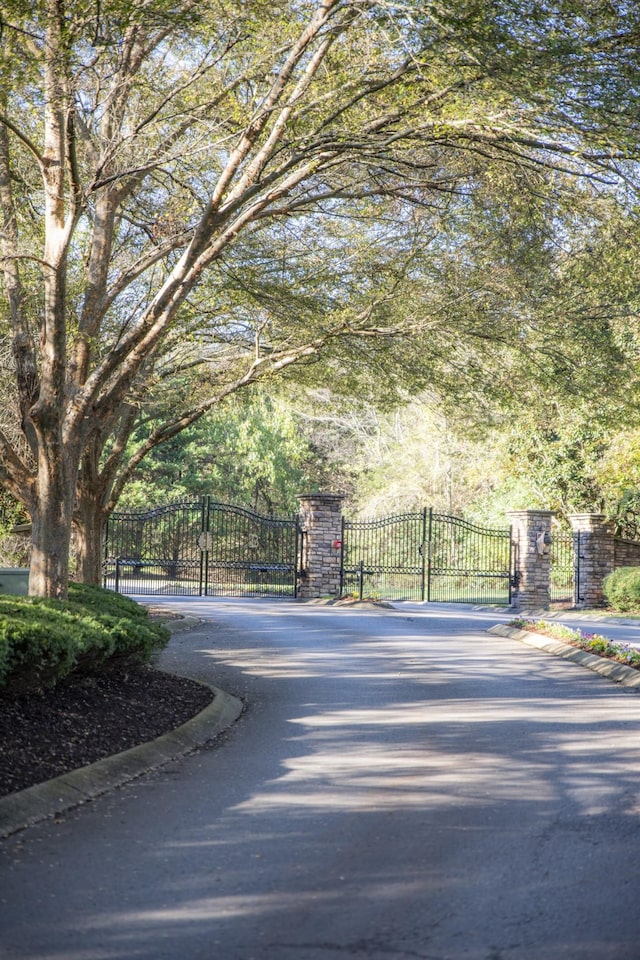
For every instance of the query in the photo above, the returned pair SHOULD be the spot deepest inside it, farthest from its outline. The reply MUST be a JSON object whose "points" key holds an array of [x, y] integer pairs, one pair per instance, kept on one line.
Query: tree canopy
{"points": [[153, 156]]}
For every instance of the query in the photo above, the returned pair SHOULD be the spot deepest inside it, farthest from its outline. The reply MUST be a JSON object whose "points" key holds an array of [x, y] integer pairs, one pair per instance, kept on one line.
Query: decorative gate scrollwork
{"points": [[199, 548], [427, 556]]}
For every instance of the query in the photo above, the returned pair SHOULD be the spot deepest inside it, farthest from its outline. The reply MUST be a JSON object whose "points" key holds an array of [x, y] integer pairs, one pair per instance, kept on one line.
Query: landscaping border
{"points": [[69, 790]]}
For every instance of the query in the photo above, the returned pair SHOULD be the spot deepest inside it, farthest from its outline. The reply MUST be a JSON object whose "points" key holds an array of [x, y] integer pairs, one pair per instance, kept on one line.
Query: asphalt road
{"points": [[401, 785]]}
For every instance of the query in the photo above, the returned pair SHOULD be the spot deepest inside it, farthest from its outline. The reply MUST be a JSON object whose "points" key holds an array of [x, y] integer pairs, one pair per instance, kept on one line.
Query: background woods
{"points": [[371, 199]]}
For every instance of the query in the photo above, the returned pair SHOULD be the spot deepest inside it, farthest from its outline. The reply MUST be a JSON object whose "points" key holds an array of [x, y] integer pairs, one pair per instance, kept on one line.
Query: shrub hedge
{"points": [[622, 589], [43, 641]]}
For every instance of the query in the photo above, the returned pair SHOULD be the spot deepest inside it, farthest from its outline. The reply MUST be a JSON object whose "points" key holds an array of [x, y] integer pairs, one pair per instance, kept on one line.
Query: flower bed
{"points": [[595, 643]]}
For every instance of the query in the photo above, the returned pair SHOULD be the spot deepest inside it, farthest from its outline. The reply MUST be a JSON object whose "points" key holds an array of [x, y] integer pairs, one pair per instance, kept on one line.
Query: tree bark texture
{"points": [[51, 509]]}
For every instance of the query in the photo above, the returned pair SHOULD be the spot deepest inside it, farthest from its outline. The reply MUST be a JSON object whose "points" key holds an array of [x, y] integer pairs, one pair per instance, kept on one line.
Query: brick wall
{"points": [[321, 525], [533, 565], [626, 553]]}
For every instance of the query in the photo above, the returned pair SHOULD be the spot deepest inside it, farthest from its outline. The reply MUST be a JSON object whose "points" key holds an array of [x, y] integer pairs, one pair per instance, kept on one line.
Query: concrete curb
{"points": [[618, 672], [44, 800]]}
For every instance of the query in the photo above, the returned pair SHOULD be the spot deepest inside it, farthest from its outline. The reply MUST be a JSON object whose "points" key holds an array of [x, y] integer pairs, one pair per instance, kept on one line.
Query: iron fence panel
{"points": [[250, 554], [426, 556], [468, 563], [155, 551], [201, 547], [563, 567], [385, 558]]}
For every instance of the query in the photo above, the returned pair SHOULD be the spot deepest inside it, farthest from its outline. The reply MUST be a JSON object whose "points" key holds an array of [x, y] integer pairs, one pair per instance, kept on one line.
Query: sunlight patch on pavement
{"points": [[447, 760], [228, 907]]}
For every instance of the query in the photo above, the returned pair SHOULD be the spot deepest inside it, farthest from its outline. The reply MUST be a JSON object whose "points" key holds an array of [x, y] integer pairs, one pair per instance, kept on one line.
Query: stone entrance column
{"points": [[531, 531], [594, 546], [321, 526]]}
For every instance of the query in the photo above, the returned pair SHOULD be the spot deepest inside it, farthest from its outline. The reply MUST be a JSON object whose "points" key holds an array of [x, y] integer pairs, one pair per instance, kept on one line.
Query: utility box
{"points": [[14, 581]]}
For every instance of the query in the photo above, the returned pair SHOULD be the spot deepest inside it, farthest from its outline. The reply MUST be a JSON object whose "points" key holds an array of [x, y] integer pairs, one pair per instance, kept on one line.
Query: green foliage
{"points": [[43, 641], [377, 193], [13, 547], [574, 457], [248, 451], [619, 476], [622, 589], [11, 512], [558, 450]]}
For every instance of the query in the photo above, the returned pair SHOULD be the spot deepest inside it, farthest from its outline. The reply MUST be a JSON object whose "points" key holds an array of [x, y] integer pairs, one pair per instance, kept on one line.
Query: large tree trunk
{"points": [[89, 522], [90, 513], [51, 512]]}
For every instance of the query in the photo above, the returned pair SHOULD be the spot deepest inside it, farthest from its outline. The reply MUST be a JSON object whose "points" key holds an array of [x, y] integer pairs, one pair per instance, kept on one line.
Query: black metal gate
{"points": [[564, 559], [201, 548], [426, 556]]}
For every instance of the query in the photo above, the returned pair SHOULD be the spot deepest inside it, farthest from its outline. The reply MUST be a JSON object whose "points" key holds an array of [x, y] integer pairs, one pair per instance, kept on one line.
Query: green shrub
{"points": [[43, 641], [622, 588]]}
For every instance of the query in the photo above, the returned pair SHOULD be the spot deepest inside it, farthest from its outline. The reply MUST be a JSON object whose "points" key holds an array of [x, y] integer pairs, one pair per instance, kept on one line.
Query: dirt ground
{"points": [[84, 719]]}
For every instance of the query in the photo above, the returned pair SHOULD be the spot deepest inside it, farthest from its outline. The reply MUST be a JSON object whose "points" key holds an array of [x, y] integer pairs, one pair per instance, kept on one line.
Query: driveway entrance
{"points": [[401, 785]]}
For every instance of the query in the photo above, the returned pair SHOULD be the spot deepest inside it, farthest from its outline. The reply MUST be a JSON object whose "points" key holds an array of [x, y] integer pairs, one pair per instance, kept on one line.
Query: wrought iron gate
{"points": [[565, 566], [201, 547], [427, 556]]}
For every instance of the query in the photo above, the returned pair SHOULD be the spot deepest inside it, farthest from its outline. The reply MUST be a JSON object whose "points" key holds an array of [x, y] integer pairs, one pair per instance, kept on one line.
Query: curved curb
{"points": [[43, 800], [611, 669]]}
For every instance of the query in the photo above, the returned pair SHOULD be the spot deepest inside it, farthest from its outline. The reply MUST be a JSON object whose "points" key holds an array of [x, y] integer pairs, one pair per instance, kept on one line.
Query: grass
{"points": [[619, 651]]}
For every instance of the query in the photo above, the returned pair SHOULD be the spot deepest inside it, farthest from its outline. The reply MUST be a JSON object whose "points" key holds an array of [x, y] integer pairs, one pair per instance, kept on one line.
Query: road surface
{"points": [[401, 785]]}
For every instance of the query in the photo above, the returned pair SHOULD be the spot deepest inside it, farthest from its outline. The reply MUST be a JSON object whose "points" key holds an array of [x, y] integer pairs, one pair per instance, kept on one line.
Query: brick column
{"points": [[532, 558], [594, 545], [321, 525]]}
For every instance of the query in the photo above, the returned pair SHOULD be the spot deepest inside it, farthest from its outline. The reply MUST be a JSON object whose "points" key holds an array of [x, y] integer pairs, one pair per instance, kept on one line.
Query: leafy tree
{"points": [[248, 451], [147, 151]]}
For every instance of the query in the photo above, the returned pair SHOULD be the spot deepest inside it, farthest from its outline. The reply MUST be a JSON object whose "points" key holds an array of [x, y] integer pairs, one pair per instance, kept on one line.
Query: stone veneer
{"points": [[532, 567], [593, 535], [594, 544], [321, 526], [626, 553]]}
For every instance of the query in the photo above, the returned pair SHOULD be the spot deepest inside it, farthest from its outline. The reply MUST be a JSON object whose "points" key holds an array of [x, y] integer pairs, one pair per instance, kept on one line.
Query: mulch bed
{"points": [[86, 718]]}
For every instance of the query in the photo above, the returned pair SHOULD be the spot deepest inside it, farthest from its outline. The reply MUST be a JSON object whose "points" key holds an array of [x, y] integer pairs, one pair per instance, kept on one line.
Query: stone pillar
{"points": [[321, 526], [594, 546], [532, 561]]}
